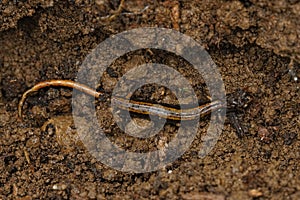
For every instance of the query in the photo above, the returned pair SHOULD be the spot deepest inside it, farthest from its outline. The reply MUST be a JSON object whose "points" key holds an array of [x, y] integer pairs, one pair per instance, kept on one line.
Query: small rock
{"points": [[255, 193]]}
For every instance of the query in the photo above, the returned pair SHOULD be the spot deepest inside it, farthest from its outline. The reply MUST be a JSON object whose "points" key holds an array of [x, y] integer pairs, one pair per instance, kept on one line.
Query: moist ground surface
{"points": [[254, 44]]}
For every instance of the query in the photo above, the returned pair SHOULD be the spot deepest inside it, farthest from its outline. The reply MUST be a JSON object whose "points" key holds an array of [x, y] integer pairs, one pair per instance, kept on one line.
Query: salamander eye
{"points": [[246, 100], [249, 99]]}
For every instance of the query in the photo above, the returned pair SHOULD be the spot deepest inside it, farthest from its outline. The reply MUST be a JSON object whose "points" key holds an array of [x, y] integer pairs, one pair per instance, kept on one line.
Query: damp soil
{"points": [[255, 46]]}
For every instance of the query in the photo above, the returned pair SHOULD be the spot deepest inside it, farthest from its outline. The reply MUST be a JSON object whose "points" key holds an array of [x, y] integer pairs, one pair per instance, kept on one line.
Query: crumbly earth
{"points": [[255, 45]]}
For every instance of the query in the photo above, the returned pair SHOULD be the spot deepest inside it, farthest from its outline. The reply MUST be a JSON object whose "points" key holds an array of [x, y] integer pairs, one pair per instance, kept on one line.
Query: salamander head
{"points": [[239, 100]]}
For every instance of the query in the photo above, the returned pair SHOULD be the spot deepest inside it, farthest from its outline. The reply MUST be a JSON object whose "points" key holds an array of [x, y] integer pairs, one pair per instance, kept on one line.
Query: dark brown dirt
{"points": [[256, 47]]}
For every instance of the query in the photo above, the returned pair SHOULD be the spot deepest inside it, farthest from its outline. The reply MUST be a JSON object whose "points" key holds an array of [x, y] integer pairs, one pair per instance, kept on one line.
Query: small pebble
{"points": [[255, 193], [59, 186]]}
